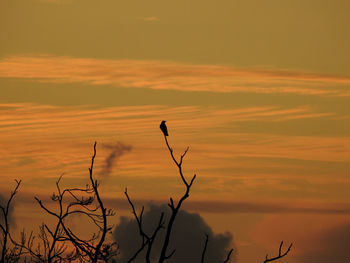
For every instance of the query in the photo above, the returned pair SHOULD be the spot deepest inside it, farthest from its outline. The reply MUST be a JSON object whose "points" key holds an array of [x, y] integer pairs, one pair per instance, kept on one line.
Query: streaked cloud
{"points": [[222, 207], [59, 139], [150, 19], [267, 208], [269, 140], [54, 1], [166, 75]]}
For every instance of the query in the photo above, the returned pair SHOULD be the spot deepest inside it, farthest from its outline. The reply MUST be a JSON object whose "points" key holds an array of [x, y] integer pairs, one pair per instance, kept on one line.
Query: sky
{"points": [[258, 90]]}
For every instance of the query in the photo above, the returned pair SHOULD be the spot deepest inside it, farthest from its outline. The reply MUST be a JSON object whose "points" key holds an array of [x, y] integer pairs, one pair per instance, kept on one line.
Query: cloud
{"points": [[188, 237], [267, 208], [55, 1], [47, 135], [285, 208], [42, 126], [167, 75], [330, 246], [150, 19], [221, 207], [116, 151]]}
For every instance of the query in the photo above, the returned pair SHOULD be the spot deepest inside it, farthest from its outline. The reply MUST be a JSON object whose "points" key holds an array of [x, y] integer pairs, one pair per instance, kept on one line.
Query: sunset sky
{"points": [[258, 90]]}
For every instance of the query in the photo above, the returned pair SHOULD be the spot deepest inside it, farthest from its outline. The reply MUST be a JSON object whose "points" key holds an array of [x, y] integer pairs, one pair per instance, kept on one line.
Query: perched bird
{"points": [[164, 129]]}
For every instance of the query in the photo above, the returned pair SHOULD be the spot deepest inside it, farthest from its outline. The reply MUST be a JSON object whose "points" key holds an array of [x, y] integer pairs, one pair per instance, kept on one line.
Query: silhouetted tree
{"points": [[61, 244], [8, 253], [53, 243], [148, 240]]}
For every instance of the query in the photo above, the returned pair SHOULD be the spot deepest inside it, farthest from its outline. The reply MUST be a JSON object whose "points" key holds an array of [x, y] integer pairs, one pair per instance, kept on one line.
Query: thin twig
{"points": [[174, 208], [280, 254], [204, 248]]}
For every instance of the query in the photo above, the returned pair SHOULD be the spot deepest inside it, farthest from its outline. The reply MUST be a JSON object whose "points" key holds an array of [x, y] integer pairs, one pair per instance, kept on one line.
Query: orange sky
{"points": [[260, 97]]}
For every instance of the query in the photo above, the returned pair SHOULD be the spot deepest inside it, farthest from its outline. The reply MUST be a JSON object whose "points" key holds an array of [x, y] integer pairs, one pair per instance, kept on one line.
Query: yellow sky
{"points": [[259, 91]]}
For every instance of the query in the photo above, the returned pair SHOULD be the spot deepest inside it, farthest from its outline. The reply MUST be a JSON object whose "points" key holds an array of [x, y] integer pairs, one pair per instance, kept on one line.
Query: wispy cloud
{"points": [[227, 207], [150, 19], [55, 1], [23, 116], [58, 139], [267, 208], [171, 75]]}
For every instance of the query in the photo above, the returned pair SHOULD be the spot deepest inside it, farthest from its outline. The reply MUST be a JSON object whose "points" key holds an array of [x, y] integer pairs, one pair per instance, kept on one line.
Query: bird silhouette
{"points": [[164, 129]]}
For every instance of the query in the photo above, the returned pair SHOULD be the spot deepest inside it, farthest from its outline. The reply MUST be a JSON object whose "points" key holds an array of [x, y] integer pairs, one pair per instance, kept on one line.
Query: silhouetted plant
{"points": [[44, 247], [96, 248], [280, 254], [53, 243], [227, 259], [148, 240], [61, 244], [8, 254]]}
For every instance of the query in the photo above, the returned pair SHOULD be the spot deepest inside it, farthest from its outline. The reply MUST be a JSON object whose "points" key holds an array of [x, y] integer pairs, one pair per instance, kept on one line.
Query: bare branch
{"points": [[280, 254], [174, 208], [228, 256], [204, 248], [52, 243], [147, 240], [5, 227]]}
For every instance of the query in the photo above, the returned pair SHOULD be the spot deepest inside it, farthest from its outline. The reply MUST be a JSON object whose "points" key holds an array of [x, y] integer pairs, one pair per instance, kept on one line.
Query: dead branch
{"points": [[53, 243], [147, 240], [94, 248], [205, 250], [228, 256], [5, 226], [175, 207], [280, 254]]}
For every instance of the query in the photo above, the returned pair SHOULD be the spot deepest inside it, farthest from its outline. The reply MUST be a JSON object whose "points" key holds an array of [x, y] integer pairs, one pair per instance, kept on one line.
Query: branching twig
{"points": [[175, 207], [53, 242], [204, 248], [5, 226], [147, 240], [94, 248], [228, 256], [280, 254]]}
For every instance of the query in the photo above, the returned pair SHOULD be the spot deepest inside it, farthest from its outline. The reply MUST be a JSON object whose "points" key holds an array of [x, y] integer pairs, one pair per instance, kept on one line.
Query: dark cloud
{"points": [[331, 246], [188, 237], [116, 151]]}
